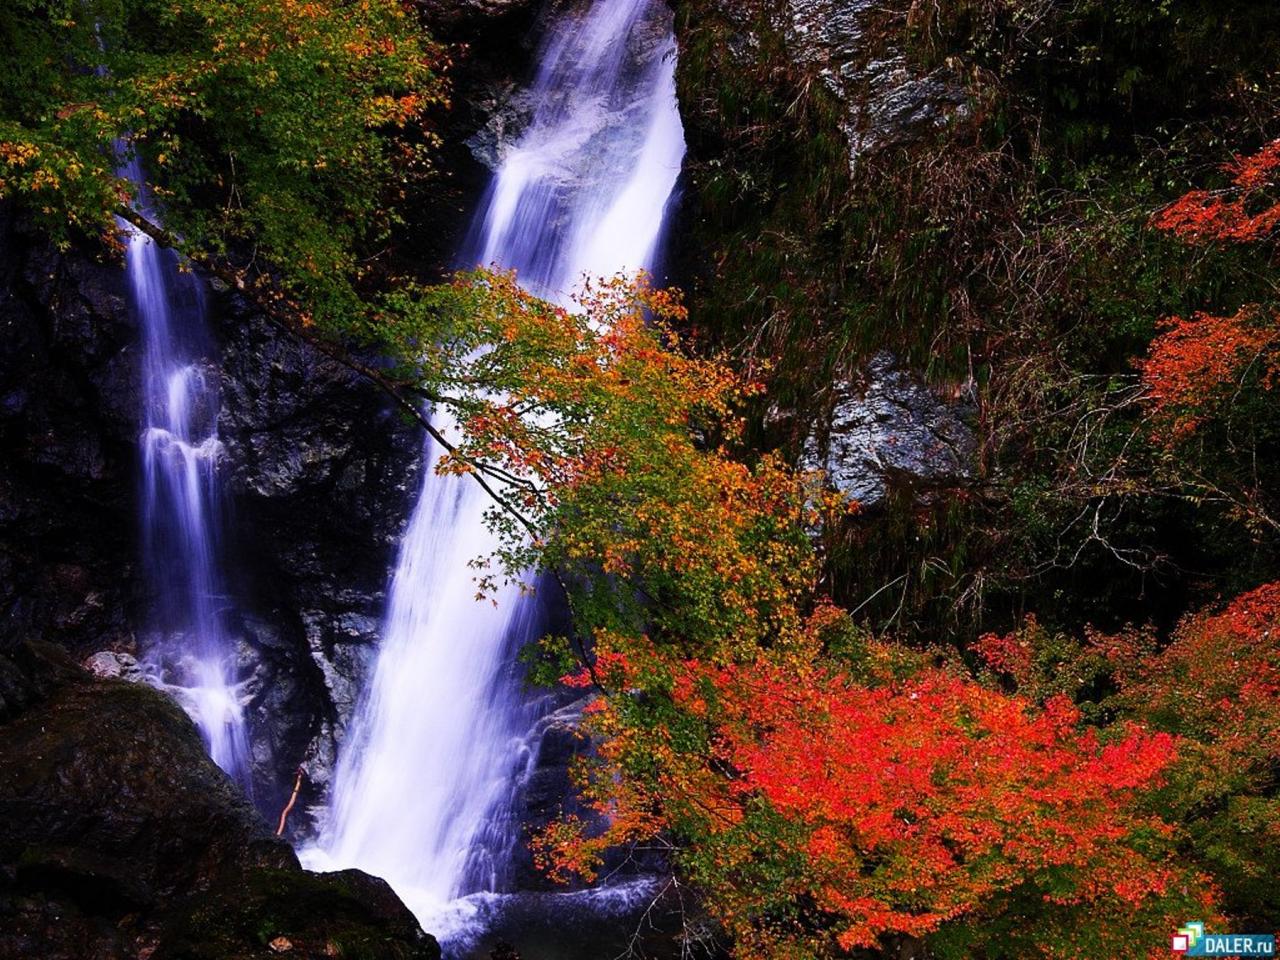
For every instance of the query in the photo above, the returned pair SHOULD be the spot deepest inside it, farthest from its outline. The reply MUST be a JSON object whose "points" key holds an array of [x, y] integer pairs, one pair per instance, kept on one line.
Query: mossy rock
{"points": [[295, 914], [119, 837]]}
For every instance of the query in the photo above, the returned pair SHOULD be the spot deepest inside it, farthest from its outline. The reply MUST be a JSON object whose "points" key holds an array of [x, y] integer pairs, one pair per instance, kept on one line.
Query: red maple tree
{"points": [[923, 801], [1197, 364]]}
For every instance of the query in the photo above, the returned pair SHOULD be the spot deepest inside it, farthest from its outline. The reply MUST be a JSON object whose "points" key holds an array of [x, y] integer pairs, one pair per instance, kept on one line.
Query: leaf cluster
{"points": [[277, 132]]}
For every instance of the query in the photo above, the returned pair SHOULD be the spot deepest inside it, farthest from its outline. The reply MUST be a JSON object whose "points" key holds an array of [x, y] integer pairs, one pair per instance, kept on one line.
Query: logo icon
{"points": [[1187, 937], [1192, 940]]}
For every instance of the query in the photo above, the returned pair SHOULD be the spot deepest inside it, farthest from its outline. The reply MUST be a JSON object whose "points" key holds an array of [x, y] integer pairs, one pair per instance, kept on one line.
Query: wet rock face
{"points": [[506, 108], [547, 791], [451, 16], [887, 429], [69, 392], [111, 779], [854, 47], [491, 44], [323, 475], [113, 665], [120, 838]]}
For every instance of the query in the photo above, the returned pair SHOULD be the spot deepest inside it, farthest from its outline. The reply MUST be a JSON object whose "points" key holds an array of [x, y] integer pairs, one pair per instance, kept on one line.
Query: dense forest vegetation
{"points": [[1035, 712]]}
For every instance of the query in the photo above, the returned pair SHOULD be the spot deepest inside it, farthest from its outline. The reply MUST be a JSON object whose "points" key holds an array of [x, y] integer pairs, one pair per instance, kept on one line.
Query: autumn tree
{"points": [[826, 806], [1199, 366], [610, 449], [826, 792], [1215, 685], [1209, 376], [277, 134]]}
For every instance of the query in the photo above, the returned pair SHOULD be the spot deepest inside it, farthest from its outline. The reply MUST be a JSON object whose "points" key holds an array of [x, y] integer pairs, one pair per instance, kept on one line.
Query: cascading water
{"points": [[182, 494], [431, 750], [424, 786], [585, 190]]}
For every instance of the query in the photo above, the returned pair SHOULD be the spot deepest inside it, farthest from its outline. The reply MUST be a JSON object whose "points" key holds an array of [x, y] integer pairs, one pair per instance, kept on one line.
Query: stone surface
{"points": [[887, 429], [506, 109], [491, 45], [119, 838], [449, 16], [68, 402], [323, 476], [111, 665], [854, 46], [559, 741]]}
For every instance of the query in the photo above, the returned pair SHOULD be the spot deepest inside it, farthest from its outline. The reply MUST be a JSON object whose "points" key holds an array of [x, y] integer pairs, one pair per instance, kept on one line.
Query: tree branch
{"points": [[285, 315]]}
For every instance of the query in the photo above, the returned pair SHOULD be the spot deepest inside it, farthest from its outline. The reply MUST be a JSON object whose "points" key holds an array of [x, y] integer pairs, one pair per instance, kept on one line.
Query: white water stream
{"points": [[427, 778], [191, 653]]}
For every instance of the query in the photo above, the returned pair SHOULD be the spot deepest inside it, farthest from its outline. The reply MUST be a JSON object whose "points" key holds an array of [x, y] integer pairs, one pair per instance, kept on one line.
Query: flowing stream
{"points": [[425, 789], [182, 497]]}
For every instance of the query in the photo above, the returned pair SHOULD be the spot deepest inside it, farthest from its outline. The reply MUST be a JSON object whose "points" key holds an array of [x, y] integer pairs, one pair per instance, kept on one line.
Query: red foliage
{"points": [[1219, 682], [1202, 216], [610, 669], [1195, 363], [921, 801], [1009, 653]]}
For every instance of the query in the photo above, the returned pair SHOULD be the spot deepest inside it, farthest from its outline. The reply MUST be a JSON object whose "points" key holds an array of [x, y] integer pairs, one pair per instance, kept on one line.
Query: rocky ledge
{"points": [[320, 475]]}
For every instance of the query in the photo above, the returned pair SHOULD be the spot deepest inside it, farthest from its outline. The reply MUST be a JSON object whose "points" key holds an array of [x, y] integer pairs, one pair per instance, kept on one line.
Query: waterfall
{"points": [[182, 493], [585, 189], [423, 791]]}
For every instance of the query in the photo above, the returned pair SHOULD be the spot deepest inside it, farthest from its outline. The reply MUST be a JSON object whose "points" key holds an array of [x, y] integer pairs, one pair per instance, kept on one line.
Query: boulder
{"points": [[887, 428], [113, 665], [120, 838]]}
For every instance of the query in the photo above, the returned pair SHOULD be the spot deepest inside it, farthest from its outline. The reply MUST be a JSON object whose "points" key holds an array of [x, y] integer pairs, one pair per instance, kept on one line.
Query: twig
{"points": [[288, 317], [288, 807], [286, 320]]}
